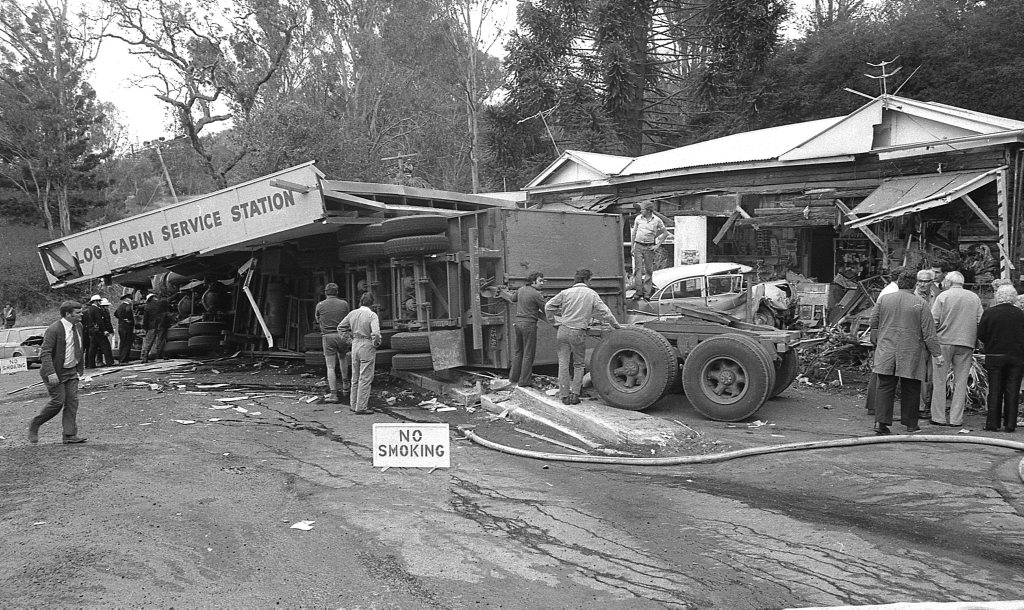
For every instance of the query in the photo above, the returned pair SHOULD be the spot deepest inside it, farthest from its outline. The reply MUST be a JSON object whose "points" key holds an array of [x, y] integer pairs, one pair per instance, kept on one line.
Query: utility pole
{"points": [[167, 176]]}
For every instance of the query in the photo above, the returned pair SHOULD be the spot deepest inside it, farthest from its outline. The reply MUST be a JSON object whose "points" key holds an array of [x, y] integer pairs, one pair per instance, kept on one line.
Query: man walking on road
{"points": [[571, 310], [62, 361], [957, 313], [125, 328], [529, 309], [647, 236], [364, 326], [328, 314], [903, 333]]}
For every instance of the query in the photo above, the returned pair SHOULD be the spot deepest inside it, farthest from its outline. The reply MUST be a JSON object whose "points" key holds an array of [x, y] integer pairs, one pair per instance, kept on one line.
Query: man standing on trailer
{"points": [[328, 314], [364, 327], [647, 236], [571, 310]]}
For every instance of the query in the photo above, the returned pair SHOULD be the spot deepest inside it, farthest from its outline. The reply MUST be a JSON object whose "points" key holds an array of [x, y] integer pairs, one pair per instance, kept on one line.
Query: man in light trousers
{"points": [[956, 312], [364, 325], [571, 310]]}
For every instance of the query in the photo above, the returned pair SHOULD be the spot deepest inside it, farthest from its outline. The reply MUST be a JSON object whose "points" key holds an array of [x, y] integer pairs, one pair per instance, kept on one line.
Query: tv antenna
{"points": [[884, 85]]}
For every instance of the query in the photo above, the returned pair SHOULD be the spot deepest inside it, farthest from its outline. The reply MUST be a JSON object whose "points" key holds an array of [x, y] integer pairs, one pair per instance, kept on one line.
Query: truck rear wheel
{"points": [[785, 372], [633, 367], [728, 377]]}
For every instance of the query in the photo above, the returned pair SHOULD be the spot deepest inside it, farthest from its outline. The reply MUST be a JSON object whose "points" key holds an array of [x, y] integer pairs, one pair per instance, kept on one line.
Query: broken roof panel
{"points": [[906, 194]]}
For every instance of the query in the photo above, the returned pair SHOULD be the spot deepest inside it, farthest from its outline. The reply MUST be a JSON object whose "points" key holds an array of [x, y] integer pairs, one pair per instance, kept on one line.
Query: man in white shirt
{"points": [[61, 363], [648, 234], [364, 325]]}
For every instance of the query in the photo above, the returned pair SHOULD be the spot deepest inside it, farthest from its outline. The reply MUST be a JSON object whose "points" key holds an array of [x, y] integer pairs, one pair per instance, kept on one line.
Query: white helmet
{"points": [[95, 298]]}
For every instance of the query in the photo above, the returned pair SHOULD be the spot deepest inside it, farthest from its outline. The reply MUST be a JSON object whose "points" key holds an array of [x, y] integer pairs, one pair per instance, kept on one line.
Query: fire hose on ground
{"points": [[715, 458]]}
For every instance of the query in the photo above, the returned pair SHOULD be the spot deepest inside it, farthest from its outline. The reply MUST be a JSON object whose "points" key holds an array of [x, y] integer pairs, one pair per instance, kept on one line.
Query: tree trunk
{"points": [[63, 209]]}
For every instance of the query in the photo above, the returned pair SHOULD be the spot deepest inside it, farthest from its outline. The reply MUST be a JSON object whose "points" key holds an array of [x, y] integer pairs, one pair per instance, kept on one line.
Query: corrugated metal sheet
{"points": [[898, 196], [760, 145]]}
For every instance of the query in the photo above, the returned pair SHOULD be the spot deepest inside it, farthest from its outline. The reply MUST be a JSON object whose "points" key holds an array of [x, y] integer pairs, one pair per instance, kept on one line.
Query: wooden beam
{"points": [[866, 231], [1003, 205], [977, 210], [725, 228]]}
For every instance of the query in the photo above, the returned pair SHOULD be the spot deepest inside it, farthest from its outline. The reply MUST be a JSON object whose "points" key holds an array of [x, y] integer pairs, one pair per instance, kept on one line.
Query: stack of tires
{"points": [[411, 352], [206, 337], [177, 342], [397, 238]]}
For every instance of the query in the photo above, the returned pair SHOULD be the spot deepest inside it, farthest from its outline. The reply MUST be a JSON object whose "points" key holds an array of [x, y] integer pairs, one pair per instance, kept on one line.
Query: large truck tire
{"points": [[178, 333], [361, 252], [383, 358], [726, 379], [786, 370], [412, 362], [204, 343], [312, 342], [633, 367], [420, 224], [374, 232], [410, 343], [767, 355], [176, 348], [199, 329], [416, 245]]}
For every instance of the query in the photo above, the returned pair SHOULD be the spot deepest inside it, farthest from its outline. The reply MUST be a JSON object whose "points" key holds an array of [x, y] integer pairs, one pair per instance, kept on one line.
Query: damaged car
{"points": [[25, 341], [723, 287]]}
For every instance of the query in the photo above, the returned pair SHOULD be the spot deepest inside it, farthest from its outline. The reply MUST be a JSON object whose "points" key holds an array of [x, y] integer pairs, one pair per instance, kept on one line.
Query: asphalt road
{"points": [[151, 512]]}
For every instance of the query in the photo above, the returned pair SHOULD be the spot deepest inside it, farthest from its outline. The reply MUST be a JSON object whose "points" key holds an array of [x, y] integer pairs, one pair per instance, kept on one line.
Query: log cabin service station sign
{"points": [[411, 446]]}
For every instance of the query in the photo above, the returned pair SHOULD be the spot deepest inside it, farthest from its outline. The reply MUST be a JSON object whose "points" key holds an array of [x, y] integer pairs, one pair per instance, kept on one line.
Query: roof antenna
{"points": [[905, 82], [884, 85], [541, 115]]}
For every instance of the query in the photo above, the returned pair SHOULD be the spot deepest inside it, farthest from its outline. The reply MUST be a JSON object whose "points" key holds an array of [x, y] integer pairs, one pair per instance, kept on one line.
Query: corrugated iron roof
{"points": [[760, 145]]}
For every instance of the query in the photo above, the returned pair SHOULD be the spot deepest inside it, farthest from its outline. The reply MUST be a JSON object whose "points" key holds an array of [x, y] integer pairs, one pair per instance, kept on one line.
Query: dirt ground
{"points": [[183, 499]]}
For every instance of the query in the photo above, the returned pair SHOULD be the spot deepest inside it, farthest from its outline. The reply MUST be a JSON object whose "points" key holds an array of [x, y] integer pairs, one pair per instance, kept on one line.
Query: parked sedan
{"points": [[24, 341]]}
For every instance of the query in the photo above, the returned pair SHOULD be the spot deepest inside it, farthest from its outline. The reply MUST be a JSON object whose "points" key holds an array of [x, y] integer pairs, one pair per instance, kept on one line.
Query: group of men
{"points": [[925, 328], [571, 312], [350, 338]]}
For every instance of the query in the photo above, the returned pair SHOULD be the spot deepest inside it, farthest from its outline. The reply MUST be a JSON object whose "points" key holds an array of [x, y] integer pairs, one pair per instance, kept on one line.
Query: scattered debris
{"points": [[232, 399], [184, 422], [303, 525]]}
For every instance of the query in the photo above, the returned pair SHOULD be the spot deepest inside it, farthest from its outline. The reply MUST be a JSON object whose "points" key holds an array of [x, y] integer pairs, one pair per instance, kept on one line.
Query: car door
{"points": [[725, 292], [5, 349]]}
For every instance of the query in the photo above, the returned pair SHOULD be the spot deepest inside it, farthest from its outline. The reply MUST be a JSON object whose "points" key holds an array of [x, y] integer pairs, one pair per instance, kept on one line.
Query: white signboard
{"points": [[234, 215], [411, 446], [13, 365]]}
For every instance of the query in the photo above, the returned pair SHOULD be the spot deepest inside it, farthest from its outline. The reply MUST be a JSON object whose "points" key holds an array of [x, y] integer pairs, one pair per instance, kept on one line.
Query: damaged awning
{"points": [[906, 194]]}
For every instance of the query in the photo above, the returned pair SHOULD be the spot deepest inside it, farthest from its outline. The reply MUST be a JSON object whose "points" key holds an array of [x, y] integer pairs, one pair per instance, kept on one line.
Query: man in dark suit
{"points": [[62, 363], [154, 320], [903, 333], [125, 315]]}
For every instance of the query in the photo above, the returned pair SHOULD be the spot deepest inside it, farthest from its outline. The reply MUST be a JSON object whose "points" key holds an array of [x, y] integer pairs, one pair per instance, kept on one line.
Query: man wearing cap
{"points": [[957, 313], [647, 236], [125, 315], [97, 324]]}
